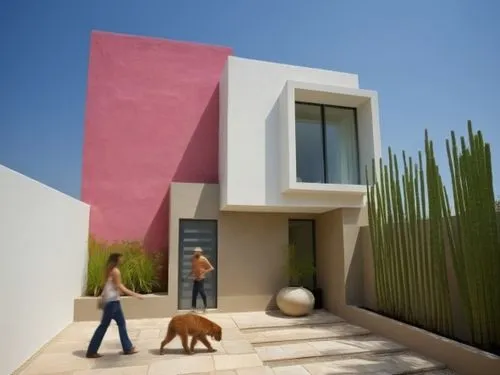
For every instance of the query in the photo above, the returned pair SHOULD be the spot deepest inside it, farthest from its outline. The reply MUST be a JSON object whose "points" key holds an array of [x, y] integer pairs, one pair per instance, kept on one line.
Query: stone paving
{"points": [[256, 343]]}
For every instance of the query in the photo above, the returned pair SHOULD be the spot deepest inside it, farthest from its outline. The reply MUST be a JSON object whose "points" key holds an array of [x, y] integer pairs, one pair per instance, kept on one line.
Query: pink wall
{"points": [[152, 117]]}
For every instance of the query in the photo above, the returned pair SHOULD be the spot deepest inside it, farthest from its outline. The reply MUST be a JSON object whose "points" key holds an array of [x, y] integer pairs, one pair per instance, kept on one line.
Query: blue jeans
{"points": [[111, 311], [198, 288]]}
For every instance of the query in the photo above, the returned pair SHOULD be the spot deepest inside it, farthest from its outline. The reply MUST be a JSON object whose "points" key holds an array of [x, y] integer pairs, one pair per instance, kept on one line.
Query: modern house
{"points": [[186, 145]]}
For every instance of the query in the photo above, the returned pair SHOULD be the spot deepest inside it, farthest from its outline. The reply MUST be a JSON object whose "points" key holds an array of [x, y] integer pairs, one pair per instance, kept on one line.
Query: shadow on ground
{"points": [[177, 351]]}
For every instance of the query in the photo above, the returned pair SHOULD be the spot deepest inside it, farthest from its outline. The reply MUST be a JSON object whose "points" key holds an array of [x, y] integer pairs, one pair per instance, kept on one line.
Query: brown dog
{"points": [[193, 325]]}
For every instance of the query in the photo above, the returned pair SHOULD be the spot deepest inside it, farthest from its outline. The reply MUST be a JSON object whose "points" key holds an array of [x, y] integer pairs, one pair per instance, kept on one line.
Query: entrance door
{"points": [[301, 233], [192, 234]]}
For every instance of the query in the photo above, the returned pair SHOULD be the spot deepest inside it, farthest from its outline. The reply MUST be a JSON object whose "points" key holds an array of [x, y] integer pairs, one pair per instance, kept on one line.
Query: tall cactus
{"points": [[411, 223], [410, 267], [474, 235]]}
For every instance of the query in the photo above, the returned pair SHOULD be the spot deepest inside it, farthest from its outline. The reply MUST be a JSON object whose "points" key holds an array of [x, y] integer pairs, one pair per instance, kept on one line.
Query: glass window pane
{"points": [[341, 146], [309, 143]]}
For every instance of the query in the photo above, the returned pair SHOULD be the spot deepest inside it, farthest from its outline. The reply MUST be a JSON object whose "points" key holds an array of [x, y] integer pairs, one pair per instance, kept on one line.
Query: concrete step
{"points": [[326, 349], [386, 364], [256, 321], [303, 333], [260, 370]]}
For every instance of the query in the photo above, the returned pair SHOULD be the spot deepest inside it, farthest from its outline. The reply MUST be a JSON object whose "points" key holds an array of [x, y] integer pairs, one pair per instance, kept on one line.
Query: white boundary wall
{"points": [[43, 264]]}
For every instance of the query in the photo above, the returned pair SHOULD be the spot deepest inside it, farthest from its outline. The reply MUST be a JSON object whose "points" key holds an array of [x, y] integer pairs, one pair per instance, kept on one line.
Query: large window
{"points": [[326, 144]]}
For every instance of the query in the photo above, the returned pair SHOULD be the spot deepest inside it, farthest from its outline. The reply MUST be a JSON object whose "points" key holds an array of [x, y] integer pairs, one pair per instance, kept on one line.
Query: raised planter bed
{"points": [[152, 306], [461, 358]]}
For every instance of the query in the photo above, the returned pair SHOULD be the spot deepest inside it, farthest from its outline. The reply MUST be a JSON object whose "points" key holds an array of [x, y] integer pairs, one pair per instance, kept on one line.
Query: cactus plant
{"points": [[474, 236], [412, 222], [408, 241]]}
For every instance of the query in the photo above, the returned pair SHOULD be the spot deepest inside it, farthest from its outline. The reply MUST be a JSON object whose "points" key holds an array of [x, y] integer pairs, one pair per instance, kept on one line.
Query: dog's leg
{"points": [[168, 337], [205, 342], [194, 340], [184, 340]]}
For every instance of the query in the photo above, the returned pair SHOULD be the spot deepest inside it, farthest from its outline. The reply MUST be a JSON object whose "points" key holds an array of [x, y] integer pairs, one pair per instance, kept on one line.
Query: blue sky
{"points": [[435, 64]]}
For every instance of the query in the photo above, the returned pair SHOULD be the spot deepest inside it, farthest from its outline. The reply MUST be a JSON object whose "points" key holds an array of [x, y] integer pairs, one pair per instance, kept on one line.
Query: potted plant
{"points": [[295, 300]]}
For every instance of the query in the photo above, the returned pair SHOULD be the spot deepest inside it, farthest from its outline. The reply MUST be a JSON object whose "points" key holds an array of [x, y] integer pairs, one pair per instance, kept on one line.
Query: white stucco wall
{"points": [[251, 138], [43, 264]]}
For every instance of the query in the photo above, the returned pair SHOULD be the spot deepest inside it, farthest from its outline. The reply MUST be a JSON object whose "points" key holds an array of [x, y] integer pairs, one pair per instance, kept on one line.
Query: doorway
{"points": [[302, 233], [192, 234]]}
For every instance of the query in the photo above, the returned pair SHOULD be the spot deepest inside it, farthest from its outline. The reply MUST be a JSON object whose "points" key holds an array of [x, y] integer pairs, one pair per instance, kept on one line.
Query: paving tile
{"points": [[265, 319], [224, 322], [355, 345], [149, 333], [390, 364], [236, 361], [184, 365], [334, 348], [348, 366], [237, 347], [52, 363], [115, 359], [413, 361], [232, 334], [78, 332], [372, 343], [260, 370], [129, 370], [287, 351], [290, 370], [223, 372], [235, 354], [305, 333], [148, 323]]}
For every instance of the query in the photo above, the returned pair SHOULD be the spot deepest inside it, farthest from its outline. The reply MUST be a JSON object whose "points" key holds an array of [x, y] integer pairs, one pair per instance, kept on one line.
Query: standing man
{"points": [[200, 266]]}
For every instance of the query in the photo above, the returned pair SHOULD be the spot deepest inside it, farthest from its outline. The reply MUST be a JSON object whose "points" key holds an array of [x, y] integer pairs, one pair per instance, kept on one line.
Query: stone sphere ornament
{"points": [[295, 301]]}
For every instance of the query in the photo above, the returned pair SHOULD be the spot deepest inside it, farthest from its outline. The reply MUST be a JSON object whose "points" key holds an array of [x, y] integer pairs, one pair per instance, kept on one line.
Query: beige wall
{"points": [[329, 258], [340, 240], [252, 260], [187, 201], [252, 251], [251, 248]]}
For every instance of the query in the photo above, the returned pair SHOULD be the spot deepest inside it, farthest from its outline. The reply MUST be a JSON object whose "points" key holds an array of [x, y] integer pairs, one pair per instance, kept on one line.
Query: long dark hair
{"points": [[113, 260]]}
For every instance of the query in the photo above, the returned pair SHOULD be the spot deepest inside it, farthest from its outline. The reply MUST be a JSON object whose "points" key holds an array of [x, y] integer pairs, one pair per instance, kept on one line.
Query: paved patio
{"points": [[257, 343]]}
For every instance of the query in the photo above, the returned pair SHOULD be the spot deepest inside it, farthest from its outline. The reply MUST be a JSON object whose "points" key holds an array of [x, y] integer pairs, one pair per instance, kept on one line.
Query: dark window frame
{"points": [[323, 136], [179, 261]]}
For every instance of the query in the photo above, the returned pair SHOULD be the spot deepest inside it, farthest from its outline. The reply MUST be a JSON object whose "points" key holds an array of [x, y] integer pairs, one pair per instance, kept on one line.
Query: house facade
{"points": [[187, 145]]}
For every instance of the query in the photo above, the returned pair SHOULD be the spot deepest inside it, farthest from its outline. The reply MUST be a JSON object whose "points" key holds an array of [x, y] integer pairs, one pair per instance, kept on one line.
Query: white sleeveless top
{"points": [[110, 292]]}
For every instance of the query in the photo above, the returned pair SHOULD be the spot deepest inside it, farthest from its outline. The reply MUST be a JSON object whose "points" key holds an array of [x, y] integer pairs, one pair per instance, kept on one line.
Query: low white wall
{"points": [[43, 249]]}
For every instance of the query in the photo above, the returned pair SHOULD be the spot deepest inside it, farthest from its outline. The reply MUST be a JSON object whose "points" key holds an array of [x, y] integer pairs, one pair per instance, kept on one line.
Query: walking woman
{"points": [[112, 309]]}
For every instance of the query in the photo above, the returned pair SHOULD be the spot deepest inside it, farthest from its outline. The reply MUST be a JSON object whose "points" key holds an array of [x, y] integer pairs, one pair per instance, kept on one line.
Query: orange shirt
{"points": [[198, 266]]}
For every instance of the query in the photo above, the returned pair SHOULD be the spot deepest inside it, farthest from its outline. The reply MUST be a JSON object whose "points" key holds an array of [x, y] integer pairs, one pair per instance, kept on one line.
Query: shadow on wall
{"points": [[272, 163], [205, 205], [354, 292], [199, 164]]}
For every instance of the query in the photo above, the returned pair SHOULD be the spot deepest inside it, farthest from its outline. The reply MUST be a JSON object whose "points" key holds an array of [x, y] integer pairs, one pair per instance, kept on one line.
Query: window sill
{"points": [[306, 187]]}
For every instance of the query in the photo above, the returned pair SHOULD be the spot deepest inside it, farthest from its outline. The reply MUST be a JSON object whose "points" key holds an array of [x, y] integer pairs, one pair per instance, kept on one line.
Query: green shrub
{"points": [[140, 270], [299, 267], [98, 256]]}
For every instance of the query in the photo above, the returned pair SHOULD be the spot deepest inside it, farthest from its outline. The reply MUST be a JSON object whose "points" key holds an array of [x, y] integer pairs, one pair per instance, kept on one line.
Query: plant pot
{"points": [[318, 298], [295, 301]]}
